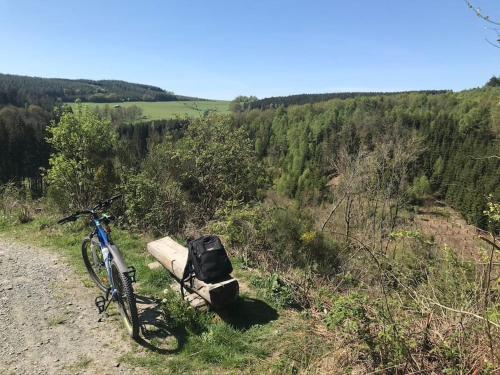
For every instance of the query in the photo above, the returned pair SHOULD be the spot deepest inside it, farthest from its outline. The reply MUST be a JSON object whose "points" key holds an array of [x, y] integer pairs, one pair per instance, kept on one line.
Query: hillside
{"points": [[342, 219], [276, 101], [458, 133], [18, 90]]}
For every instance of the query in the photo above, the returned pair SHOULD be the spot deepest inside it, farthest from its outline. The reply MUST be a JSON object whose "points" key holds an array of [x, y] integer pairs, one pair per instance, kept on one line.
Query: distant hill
{"points": [[299, 99], [21, 90]]}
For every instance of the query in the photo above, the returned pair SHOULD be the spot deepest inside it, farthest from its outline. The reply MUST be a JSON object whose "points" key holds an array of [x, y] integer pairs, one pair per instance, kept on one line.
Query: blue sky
{"points": [[220, 49]]}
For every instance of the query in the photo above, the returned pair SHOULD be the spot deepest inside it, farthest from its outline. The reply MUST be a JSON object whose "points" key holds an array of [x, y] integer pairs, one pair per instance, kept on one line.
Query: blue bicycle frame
{"points": [[105, 244]]}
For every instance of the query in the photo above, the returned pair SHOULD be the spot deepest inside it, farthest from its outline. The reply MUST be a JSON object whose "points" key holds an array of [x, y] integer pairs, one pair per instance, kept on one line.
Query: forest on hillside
{"points": [[320, 203], [46, 92], [299, 99], [458, 134]]}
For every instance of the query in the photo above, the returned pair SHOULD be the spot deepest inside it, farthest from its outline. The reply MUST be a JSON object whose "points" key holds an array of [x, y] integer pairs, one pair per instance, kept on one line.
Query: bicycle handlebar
{"points": [[106, 202], [102, 204], [67, 219]]}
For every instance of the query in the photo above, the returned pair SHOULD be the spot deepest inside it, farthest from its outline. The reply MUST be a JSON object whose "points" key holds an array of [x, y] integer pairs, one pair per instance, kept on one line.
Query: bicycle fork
{"points": [[102, 302]]}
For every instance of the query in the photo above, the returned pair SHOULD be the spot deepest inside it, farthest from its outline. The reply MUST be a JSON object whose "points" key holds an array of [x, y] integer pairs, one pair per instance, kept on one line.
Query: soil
{"points": [[449, 228], [49, 323]]}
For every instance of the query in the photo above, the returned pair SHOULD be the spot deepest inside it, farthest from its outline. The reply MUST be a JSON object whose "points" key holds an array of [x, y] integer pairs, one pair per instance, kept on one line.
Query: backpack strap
{"points": [[183, 283], [187, 275]]}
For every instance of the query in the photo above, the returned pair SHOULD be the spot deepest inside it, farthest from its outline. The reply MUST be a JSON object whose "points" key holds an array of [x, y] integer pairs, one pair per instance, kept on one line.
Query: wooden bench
{"points": [[173, 256]]}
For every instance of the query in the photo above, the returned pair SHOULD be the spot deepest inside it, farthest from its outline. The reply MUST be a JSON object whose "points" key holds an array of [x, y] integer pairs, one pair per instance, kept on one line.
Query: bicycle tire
{"points": [[90, 256], [126, 300]]}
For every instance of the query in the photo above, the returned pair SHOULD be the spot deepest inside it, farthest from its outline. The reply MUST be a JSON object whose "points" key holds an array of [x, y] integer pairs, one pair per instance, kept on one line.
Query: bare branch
{"points": [[490, 242], [493, 44], [486, 157], [333, 211], [463, 312], [480, 14]]}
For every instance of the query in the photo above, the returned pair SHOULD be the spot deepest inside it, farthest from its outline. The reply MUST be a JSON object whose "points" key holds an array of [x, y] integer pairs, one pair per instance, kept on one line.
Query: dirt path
{"points": [[49, 324]]}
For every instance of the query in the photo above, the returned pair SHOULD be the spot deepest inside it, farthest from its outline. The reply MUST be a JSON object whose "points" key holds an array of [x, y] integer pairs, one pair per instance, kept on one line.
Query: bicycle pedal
{"points": [[131, 274], [100, 303], [103, 316]]}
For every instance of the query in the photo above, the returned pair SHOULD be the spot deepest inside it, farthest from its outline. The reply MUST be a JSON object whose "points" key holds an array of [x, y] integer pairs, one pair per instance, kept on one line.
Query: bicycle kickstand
{"points": [[102, 304]]}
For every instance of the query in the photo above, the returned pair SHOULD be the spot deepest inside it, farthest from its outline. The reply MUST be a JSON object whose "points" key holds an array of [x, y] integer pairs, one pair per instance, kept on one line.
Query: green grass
{"points": [[167, 110]]}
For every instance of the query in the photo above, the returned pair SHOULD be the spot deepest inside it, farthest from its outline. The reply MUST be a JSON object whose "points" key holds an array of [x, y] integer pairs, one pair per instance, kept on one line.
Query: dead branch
{"points": [[480, 14], [463, 312]]}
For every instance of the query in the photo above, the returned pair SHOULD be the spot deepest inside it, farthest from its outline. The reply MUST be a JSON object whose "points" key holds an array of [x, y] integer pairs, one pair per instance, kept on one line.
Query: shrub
{"points": [[180, 315], [275, 290], [348, 313], [24, 214], [281, 237], [420, 190], [14, 204], [212, 166], [154, 205], [10, 199]]}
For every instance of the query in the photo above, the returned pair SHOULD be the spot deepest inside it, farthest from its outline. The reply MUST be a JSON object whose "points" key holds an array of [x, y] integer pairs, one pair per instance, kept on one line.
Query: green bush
{"points": [[154, 205], [348, 313], [285, 237], [420, 190], [275, 290], [215, 162], [192, 179], [180, 315], [81, 169]]}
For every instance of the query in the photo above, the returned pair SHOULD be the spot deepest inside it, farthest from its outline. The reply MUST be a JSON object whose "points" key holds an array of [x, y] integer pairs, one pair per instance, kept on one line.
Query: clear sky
{"points": [[220, 49]]}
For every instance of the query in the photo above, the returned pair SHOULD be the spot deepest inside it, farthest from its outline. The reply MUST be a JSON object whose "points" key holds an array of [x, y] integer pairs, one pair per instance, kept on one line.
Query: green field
{"points": [[166, 110]]}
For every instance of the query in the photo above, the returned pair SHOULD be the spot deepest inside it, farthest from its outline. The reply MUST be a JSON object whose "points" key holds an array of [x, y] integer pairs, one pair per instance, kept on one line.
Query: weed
{"points": [[57, 320], [24, 215], [180, 315], [275, 290], [81, 364]]}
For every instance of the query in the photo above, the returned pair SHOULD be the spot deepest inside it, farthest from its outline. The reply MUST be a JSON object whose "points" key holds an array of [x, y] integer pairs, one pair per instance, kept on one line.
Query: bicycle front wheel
{"points": [[125, 299], [94, 262]]}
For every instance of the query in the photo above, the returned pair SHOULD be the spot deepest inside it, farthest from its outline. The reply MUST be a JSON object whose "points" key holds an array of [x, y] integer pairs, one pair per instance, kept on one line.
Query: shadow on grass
{"points": [[242, 315], [247, 312], [154, 333]]}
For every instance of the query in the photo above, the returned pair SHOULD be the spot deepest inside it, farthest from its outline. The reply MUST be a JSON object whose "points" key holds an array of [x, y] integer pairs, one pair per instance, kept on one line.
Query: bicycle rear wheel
{"points": [[126, 300], [94, 262]]}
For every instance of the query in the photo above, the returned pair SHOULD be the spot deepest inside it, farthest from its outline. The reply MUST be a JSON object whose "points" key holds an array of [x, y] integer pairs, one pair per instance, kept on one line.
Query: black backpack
{"points": [[207, 261]]}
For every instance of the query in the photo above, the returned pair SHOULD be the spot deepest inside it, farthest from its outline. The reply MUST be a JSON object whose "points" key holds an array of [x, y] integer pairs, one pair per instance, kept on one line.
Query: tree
{"points": [[493, 82], [240, 103], [81, 168], [420, 189], [489, 20]]}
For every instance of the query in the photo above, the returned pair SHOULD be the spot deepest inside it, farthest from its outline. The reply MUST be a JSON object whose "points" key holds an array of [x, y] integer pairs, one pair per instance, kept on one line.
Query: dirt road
{"points": [[48, 321]]}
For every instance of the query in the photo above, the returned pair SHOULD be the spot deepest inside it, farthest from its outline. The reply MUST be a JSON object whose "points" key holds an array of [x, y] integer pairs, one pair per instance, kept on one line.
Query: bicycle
{"points": [[106, 266]]}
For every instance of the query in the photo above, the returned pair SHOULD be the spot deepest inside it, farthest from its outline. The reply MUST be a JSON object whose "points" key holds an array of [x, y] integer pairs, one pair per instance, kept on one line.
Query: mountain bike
{"points": [[106, 265]]}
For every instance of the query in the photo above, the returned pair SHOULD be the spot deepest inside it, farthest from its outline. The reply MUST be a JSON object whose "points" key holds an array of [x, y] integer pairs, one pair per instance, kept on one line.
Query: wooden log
{"points": [[173, 256]]}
